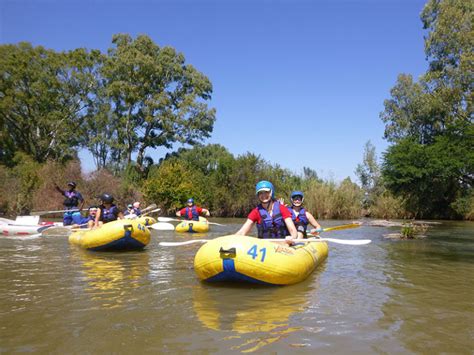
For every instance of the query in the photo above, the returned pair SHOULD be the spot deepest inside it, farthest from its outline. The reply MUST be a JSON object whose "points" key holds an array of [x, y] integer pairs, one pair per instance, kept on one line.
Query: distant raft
{"points": [[201, 226], [123, 234], [236, 258]]}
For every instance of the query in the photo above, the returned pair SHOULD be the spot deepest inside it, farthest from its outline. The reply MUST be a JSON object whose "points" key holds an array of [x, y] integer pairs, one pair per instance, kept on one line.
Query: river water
{"points": [[412, 296]]}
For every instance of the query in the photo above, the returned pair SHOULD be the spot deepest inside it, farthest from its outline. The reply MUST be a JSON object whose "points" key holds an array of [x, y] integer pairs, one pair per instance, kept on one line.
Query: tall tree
{"points": [[369, 174], [156, 98], [430, 122], [43, 100]]}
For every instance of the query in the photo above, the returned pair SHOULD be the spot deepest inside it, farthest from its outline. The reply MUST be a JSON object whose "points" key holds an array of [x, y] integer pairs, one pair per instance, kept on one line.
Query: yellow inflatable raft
{"points": [[123, 234], [246, 259], [201, 226]]}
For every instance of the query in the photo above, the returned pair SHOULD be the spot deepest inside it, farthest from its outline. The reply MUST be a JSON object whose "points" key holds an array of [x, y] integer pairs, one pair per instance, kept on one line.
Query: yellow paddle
{"points": [[335, 228]]}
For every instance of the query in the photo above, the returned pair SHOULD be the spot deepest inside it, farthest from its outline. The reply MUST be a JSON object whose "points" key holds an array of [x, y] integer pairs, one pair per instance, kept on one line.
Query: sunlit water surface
{"points": [[412, 296]]}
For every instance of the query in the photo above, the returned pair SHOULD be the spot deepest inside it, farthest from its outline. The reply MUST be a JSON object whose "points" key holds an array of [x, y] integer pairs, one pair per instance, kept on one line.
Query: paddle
{"points": [[344, 226], [332, 240], [151, 207], [40, 213], [152, 211], [162, 226], [167, 219], [60, 230]]}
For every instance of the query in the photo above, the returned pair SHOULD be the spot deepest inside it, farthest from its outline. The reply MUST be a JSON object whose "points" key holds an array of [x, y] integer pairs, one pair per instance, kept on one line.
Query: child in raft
{"points": [[273, 219]]}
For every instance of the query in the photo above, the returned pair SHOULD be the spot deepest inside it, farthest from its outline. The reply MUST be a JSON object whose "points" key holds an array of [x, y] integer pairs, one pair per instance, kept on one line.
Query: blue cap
{"points": [[264, 186]]}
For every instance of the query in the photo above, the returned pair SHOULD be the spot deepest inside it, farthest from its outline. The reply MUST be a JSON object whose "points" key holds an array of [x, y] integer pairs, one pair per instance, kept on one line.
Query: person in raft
{"points": [[133, 211], [192, 212], [72, 204], [301, 217], [107, 211], [89, 221], [129, 210], [273, 219]]}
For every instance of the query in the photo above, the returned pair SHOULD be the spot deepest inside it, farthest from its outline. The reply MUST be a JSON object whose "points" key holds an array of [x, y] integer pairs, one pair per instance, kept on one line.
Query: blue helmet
{"points": [[297, 193], [191, 200], [264, 186]]}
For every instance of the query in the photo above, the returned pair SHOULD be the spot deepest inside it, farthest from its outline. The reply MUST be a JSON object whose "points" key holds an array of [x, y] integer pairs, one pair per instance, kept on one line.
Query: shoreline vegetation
{"points": [[139, 96]]}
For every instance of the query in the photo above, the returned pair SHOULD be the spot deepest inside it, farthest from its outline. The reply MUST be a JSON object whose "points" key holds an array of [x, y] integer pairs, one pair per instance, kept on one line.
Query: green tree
{"points": [[430, 121], [44, 98], [172, 183], [369, 175], [156, 99]]}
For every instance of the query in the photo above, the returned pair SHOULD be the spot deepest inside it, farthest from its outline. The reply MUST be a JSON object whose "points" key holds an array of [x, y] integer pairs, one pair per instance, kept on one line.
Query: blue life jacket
{"points": [[272, 226], [191, 214], [72, 199], [85, 220], [108, 215], [137, 211], [301, 221]]}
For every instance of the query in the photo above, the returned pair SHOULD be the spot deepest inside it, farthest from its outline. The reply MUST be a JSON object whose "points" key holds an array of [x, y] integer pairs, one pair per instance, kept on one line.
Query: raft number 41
{"points": [[254, 253]]}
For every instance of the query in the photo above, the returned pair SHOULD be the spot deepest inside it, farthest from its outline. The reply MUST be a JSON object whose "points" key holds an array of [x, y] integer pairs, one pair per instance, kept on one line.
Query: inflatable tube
{"points": [[123, 234], [238, 258], [200, 226]]}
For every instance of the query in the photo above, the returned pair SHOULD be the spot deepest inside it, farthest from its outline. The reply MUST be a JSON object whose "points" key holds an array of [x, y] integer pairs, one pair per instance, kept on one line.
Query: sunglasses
{"points": [[297, 198]]}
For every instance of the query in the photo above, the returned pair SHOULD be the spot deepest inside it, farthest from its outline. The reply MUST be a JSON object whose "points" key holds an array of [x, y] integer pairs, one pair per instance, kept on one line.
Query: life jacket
{"points": [[108, 215], [85, 220], [137, 211], [72, 199], [272, 226], [300, 220], [191, 214]]}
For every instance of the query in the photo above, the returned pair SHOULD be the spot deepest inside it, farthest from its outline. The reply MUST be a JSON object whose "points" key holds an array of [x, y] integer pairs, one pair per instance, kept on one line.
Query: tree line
{"points": [[140, 96]]}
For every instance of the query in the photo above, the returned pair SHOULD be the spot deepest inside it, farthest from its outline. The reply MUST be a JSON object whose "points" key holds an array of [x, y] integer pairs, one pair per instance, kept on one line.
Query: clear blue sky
{"points": [[300, 83]]}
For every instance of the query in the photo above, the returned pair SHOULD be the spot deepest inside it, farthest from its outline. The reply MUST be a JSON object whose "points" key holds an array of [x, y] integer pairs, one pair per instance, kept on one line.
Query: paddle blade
{"points": [[152, 206], [167, 219], [344, 226], [162, 226]]}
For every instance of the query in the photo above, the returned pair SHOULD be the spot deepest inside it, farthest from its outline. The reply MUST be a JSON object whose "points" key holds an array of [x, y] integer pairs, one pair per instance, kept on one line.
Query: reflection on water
{"points": [[264, 315], [432, 290], [412, 296], [111, 277]]}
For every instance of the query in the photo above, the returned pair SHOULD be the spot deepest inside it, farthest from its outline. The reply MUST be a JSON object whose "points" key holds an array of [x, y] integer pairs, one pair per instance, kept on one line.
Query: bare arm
{"points": [[120, 215], [291, 227], [246, 227], [97, 217], [312, 220], [206, 212]]}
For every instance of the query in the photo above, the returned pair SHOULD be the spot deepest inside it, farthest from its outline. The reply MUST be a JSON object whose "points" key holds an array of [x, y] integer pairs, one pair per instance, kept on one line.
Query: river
{"points": [[390, 296]]}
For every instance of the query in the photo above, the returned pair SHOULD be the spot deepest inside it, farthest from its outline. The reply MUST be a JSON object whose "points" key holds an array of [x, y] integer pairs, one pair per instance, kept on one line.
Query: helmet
{"points": [[107, 198], [71, 183], [93, 209], [191, 200], [297, 193], [136, 204], [129, 205], [264, 186]]}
